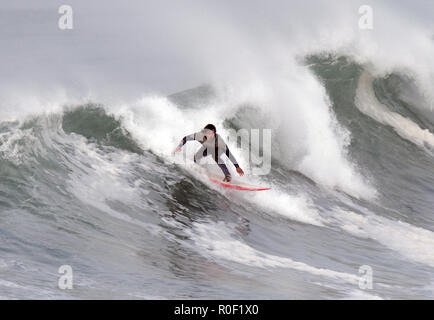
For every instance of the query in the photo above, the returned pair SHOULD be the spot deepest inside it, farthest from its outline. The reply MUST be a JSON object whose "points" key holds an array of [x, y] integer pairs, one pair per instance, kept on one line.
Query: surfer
{"points": [[212, 144]]}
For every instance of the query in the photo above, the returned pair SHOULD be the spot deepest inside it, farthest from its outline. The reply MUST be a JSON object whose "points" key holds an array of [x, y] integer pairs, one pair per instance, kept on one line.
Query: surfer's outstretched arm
{"points": [[184, 140], [187, 138]]}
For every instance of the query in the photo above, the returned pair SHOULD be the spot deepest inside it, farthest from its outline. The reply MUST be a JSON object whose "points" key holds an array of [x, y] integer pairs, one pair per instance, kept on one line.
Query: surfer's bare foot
{"points": [[227, 178]]}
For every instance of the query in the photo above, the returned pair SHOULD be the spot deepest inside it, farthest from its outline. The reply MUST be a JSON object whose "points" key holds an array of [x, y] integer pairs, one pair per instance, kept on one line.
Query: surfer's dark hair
{"points": [[211, 127]]}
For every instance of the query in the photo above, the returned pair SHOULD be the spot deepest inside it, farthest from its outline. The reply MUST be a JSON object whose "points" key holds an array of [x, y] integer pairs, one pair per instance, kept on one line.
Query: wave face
{"points": [[87, 178]]}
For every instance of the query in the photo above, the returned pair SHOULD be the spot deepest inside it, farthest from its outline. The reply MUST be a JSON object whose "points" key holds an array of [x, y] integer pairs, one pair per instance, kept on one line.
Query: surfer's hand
{"points": [[176, 150], [240, 171]]}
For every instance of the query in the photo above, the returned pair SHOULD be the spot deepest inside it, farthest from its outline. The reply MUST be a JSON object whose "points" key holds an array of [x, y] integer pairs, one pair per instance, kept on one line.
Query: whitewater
{"points": [[89, 118]]}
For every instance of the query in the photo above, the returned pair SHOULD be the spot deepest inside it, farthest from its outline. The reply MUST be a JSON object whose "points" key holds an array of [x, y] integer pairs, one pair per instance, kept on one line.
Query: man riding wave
{"points": [[214, 145]]}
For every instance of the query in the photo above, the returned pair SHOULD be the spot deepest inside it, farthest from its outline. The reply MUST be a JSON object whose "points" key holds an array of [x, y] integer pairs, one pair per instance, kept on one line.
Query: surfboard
{"points": [[236, 185]]}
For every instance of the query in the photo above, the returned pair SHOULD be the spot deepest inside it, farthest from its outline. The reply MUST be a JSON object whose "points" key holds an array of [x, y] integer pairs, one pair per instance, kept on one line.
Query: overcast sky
{"points": [[161, 46]]}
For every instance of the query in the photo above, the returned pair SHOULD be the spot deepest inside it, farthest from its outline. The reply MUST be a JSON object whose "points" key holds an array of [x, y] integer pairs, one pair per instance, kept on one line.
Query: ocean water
{"points": [[87, 178]]}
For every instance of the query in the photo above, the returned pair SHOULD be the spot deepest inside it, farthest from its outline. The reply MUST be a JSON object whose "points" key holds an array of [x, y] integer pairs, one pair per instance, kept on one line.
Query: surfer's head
{"points": [[210, 131]]}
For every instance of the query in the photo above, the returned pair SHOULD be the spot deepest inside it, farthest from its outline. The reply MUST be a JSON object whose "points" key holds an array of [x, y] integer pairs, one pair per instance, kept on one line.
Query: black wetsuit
{"points": [[215, 147]]}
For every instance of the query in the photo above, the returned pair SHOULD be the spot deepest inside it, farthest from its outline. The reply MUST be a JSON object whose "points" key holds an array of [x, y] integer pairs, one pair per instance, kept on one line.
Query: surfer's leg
{"points": [[225, 170]]}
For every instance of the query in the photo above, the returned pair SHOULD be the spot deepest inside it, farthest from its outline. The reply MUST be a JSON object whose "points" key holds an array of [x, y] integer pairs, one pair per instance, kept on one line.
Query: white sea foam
{"points": [[412, 242], [214, 240]]}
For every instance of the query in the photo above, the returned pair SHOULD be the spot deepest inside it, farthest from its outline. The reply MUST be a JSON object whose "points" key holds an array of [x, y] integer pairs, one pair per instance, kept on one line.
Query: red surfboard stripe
{"points": [[232, 186]]}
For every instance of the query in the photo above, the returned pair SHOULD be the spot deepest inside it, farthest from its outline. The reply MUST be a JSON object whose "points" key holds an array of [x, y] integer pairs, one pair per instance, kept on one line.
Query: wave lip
{"points": [[412, 242], [367, 103]]}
